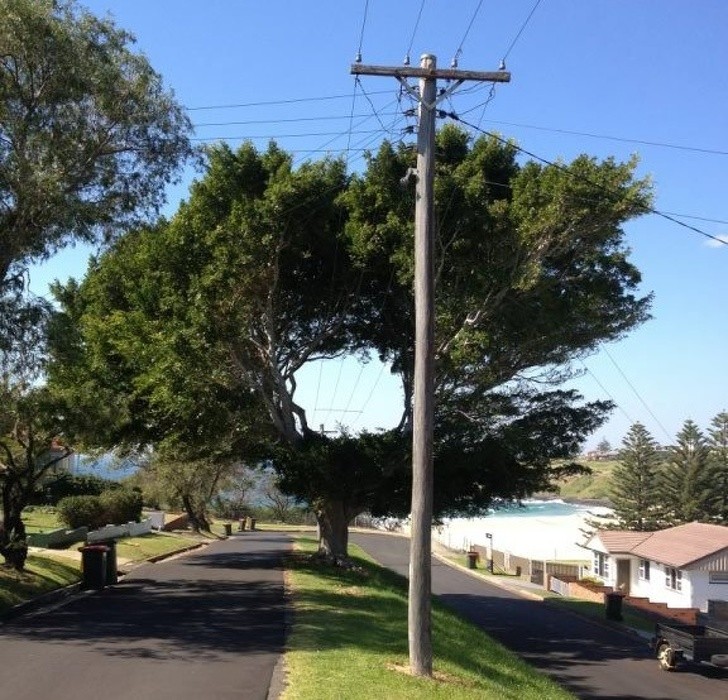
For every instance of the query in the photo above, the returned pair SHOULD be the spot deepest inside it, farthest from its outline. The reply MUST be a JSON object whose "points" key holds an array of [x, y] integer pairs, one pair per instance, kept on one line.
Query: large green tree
{"points": [[685, 486], [718, 464], [268, 267], [532, 269], [31, 427], [199, 325], [634, 483], [89, 137]]}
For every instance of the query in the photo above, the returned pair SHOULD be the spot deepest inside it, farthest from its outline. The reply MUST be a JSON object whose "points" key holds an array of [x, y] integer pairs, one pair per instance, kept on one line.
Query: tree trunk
{"points": [[198, 519], [333, 519], [13, 546]]}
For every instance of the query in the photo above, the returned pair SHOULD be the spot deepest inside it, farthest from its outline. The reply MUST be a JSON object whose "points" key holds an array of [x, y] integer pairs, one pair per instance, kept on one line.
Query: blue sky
{"points": [[650, 71]]}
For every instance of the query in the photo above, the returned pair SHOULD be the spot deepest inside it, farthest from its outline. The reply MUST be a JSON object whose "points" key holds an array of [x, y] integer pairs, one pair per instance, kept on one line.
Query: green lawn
{"points": [[42, 574], [596, 610], [349, 640], [152, 545], [41, 520]]}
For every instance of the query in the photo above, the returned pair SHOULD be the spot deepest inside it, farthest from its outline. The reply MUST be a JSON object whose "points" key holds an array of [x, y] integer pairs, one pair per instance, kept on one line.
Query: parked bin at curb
{"points": [[112, 570], [472, 559], [241, 525], [93, 565], [251, 523], [613, 606], [228, 529]]}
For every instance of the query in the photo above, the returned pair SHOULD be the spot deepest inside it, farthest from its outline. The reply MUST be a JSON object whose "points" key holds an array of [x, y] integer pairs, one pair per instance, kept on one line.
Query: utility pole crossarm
{"points": [[500, 76]]}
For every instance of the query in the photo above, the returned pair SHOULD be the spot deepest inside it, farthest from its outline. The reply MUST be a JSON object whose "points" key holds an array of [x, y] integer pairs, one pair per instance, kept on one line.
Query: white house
{"points": [[682, 567]]}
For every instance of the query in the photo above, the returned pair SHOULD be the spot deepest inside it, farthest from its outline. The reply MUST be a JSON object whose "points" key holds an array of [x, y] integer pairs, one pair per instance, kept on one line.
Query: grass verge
{"points": [[42, 574], [41, 520], [349, 640], [153, 545], [596, 610]]}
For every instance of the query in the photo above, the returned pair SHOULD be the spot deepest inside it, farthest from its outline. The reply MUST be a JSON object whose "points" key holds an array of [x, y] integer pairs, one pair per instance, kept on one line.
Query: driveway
{"points": [[592, 660], [208, 625]]}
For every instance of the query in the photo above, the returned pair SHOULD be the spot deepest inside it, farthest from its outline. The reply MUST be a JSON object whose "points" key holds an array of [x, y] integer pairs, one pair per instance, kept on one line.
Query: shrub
{"points": [[122, 506], [63, 485], [80, 511]]}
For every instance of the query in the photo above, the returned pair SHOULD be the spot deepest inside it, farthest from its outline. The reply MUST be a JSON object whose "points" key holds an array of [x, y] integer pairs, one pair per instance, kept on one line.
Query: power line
{"points": [[361, 34], [459, 51], [521, 30], [647, 209], [300, 135], [604, 389], [341, 135], [370, 395], [358, 82], [697, 218], [636, 393], [414, 31], [606, 137], [268, 103], [480, 87], [287, 120]]}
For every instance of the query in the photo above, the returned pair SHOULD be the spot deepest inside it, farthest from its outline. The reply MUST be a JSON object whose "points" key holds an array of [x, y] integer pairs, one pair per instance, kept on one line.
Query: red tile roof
{"points": [[676, 546]]}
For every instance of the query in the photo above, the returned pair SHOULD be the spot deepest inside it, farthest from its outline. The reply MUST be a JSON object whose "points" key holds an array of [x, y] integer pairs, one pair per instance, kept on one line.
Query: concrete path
{"points": [[592, 660], [208, 625]]}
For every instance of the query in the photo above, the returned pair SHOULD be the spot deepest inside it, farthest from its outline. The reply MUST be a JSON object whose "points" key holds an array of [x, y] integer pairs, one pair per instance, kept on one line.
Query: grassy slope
{"points": [[37, 520], [48, 571], [595, 485], [349, 640], [42, 574], [152, 545]]}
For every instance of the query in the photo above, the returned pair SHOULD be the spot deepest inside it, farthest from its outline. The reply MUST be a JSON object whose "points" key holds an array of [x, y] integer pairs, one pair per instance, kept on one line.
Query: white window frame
{"points": [[718, 577], [644, 570], [601, 565], [673, 578]]}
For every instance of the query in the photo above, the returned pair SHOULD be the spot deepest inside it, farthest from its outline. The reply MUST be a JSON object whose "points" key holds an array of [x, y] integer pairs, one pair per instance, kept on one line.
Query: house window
{"points": [[601, 564], [644, 570], [718, 577], [673, 578]]}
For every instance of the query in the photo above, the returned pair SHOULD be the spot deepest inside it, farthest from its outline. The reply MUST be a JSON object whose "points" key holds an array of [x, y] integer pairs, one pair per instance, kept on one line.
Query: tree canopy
{"points": [[89, 137], [635, 482], [267, 267]]}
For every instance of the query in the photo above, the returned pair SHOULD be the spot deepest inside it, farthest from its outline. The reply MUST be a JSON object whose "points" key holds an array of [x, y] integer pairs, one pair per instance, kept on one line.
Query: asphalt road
{"points": [[205, 626], [595, 662]]}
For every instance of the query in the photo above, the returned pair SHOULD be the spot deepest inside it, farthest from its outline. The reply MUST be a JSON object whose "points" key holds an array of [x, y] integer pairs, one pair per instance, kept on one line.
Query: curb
{"points": [[490, 579], [61, 596], [49, 599]]}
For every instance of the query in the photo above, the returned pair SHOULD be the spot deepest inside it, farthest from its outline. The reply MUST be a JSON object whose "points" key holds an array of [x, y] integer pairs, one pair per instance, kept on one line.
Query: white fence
{"points": [[110, 532]]}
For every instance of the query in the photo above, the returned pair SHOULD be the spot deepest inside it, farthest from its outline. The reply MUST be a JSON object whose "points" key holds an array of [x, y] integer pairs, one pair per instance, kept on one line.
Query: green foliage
{"points": [[30, 426], [53, 489], [82, 511], [653, 487], [113, 507], [717, 498], [121, 506], [190, 334], [685, 480], [635, 481], [88, 136]]}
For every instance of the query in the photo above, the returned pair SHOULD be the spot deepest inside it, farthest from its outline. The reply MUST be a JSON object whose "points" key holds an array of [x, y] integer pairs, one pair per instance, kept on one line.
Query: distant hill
{"points": [[593, 486]]}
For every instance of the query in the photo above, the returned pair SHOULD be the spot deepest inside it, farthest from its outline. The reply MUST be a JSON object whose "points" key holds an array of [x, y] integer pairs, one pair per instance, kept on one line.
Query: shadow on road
{"points": [[206, 604]]}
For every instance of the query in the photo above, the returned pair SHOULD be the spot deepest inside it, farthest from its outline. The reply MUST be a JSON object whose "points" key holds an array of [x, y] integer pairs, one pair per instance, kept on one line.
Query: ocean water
{"points": [[534, 508]]}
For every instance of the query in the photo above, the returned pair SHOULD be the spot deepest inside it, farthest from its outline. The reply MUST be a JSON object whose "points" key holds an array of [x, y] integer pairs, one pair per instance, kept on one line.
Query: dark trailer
{"points": [[676, 644]]}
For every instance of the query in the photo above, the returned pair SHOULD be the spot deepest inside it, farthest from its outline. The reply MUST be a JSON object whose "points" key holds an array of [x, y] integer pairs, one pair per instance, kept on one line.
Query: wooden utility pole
{"points": [[420, 571]]}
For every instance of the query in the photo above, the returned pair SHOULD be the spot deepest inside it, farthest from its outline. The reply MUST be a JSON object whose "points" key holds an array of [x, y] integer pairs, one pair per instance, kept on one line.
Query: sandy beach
{"points": [[534, 536]]}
